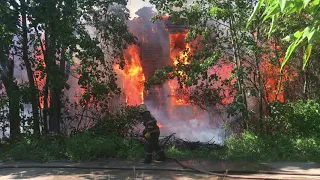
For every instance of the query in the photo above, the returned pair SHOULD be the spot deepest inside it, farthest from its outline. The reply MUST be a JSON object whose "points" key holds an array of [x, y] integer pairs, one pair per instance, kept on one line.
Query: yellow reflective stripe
{"points": [[151, 121], [156, 130]]}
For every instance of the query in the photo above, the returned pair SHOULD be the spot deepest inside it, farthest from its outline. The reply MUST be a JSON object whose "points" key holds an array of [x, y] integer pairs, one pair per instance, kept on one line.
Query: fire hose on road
{"points": [[225, 174]]}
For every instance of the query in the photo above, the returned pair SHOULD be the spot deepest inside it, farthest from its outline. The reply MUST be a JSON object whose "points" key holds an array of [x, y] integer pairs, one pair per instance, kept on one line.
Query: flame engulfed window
{"points": [[132, 76], [179, 52]]}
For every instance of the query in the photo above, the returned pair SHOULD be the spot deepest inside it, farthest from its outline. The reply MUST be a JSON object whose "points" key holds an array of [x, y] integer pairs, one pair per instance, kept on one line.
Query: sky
{"points": [[135, 5]]}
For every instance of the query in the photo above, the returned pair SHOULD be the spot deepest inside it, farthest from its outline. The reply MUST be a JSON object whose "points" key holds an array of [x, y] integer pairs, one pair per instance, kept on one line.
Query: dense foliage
{"points": [[300, 119], [253, 147], [310, 34], [120, 124], [247, 147], [220, 37], [79, 147], [59, 44]]}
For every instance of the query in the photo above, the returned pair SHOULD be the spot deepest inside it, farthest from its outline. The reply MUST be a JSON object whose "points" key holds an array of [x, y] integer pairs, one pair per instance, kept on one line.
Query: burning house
{"points": [[160, 43]]}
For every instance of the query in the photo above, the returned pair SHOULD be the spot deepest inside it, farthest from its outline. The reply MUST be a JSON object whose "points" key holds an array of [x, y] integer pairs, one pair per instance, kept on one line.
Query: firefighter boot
{"points": [[162, 156], [147, 159]]}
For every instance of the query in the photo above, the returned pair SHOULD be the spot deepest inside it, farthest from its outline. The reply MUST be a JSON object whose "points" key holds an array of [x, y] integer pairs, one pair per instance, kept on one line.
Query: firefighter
{"points": [[151, 133]]}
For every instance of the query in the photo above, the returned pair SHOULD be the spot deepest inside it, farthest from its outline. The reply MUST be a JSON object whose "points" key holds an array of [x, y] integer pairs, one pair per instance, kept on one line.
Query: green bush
{"points": [[88, 147], [119, 124], [250, 146], [297, 119], [293, 134], [105, 139], [241, 146], [44, 148], [84, 146]]}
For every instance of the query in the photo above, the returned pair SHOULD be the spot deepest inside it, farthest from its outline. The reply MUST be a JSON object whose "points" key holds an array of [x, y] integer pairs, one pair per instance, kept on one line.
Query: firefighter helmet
{"points": [[142, 108]]}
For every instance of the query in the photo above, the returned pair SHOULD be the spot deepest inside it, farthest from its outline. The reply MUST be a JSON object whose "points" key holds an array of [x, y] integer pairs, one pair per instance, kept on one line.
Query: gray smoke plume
{"points": [[192, 129], [188, 122]]}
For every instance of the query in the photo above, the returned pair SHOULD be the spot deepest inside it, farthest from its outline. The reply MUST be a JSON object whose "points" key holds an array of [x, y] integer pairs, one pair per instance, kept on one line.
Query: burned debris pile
{"points": [[179, 143], [173, 141]]}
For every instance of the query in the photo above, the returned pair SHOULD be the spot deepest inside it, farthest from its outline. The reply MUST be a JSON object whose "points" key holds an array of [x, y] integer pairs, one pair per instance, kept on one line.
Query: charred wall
{"points": [[155, 51]]}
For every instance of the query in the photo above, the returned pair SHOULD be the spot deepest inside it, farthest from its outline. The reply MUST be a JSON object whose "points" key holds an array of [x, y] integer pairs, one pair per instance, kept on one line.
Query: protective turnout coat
{"points": [[150, 123], [152, 144]]}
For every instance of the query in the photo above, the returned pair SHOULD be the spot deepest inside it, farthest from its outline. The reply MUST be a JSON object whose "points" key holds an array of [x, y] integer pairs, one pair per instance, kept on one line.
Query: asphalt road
{"points": [[110, 169], [87, 174]]}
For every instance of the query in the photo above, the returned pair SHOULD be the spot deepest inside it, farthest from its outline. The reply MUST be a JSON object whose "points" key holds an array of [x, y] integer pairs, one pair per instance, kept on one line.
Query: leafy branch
{"points": [[310, 34]]}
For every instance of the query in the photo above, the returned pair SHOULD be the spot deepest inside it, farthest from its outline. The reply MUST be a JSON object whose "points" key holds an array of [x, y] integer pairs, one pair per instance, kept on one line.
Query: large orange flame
{"points": [[133, 76], [159, 125], [40, 79], [179, 52], [273, 80]]}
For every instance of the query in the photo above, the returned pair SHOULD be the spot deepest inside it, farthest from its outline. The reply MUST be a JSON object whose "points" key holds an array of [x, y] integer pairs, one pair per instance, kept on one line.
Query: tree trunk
{"points": [[34, 94], [53, 84], [279, 86], [240, 80], [260, 83], [305, 82], [45, 108], [56, 94], [55, 110], [14, 110], [13, 93], [54, 80], [305, 87]]}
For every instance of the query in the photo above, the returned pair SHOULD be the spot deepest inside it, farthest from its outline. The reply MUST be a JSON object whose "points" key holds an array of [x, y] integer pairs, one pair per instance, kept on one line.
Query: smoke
{"points": [[188, 122], [188, 128], [135, 5]]}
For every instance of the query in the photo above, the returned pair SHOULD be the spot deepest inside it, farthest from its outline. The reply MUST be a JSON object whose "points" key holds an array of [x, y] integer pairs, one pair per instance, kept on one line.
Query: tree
{"points": [[51, 35], [8, 27], [310, 34], [27, 62], [219, 27], [96, 76]]}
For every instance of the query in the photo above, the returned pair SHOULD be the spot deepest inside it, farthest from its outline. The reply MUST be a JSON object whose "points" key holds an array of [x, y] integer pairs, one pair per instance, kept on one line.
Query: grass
{"points": [[76, 148], [248, 147], [275, 148]]}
